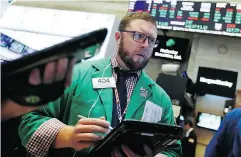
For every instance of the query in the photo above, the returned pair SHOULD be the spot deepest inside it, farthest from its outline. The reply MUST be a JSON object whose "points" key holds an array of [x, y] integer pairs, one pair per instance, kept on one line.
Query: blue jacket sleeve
{"points": [[215, 144], [237, 142], [222, 143]]}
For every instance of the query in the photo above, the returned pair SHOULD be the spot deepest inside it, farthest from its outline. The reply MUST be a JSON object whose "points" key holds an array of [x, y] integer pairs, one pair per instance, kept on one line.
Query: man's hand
{"points": [[82, 135], [130, 153], [53, 72]]}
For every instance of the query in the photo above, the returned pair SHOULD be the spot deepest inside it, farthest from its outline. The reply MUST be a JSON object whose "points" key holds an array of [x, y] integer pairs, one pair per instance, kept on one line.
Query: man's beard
{"points": [[128, 60]]}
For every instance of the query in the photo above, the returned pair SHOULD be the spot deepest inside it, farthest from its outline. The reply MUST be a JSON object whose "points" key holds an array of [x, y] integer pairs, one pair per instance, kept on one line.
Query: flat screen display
{"points": [[216, 82], [201, 17], [208, 121], [11, 48], [175, 86], [171, 48]]}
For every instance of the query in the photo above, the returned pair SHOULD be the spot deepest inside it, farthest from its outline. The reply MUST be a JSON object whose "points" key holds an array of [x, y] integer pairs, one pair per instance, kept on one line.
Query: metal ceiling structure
{"points": [[119, 8]]}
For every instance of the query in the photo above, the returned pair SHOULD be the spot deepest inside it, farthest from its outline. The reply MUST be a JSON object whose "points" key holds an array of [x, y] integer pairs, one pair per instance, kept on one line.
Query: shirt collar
{"points": [[115, 64], [188, 132]]}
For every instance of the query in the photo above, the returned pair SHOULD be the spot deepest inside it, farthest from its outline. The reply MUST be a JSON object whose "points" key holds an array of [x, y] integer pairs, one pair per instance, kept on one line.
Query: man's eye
{"points": [[139, 36], [152, 40]]}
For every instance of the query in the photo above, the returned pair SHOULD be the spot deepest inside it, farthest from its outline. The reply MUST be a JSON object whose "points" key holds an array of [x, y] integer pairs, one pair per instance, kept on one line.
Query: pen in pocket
{"points": [[82, 117]]}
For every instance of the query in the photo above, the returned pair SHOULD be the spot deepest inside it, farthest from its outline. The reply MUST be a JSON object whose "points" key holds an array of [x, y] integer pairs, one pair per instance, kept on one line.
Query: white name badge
{"points": [[152, 112], [104, 82]]}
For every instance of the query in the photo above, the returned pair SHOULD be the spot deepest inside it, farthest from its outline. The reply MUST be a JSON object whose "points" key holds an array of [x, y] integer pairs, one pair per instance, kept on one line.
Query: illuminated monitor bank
{"points": [[201, 17]]}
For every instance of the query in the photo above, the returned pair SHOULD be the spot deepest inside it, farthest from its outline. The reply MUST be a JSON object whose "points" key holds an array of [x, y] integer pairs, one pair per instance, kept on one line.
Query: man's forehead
{"points": [[143, 26]]}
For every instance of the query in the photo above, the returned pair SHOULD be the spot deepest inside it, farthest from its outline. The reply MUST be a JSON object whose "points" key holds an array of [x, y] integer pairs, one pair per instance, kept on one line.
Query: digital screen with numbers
{"points": [[200, 17]]}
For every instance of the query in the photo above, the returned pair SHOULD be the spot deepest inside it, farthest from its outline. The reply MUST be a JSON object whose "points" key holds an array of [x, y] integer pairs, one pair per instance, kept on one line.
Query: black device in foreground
{"points": [[134, 134], [15, 73], [75, 47]]}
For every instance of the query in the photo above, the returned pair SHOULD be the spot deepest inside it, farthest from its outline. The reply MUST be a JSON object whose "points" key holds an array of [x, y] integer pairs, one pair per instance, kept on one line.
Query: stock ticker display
{"points": [[200, 17]]}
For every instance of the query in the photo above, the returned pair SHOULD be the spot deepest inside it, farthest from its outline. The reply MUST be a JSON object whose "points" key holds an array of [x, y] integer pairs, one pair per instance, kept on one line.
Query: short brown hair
{"points": [[125, 21]]}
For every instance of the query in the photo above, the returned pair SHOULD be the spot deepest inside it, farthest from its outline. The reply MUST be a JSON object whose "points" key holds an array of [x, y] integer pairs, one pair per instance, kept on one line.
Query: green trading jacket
{"points": [[80, 96]]}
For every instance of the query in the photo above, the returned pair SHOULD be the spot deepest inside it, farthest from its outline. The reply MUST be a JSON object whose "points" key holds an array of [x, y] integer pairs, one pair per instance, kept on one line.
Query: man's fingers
{"points": [[34, 78], [69, 72], [160, 155], [49, 73], [82, 145], [90, 129], [94, 121], [61, 70], [54, 71], [148, 150], [87, 137], [128, 151]]}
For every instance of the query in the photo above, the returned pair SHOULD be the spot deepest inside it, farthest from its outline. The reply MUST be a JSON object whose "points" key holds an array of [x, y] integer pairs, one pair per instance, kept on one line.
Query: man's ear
{"points": [[118, 37]]}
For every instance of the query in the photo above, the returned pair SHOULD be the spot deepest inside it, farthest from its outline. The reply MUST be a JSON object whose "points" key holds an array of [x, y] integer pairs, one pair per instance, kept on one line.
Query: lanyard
{"points": [[117, 98], [120, 117]]}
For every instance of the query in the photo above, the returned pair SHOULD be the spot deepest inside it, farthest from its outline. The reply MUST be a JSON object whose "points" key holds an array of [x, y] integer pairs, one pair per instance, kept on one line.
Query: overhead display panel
{"points": [[200, 17]]}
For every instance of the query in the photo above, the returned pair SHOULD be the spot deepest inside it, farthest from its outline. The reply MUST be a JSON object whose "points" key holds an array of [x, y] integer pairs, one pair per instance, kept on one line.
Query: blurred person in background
{"points": [[226, 141], [189, 142], [238, 99], [237, 142]]}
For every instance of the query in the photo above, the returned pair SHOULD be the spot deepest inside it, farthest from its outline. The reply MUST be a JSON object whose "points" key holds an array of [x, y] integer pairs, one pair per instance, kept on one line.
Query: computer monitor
{"points": [[175, 86], [208, 121], [216, 82]]}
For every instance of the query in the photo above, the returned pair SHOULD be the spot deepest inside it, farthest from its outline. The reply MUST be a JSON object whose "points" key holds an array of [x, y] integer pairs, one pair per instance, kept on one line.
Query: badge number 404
{"points": [[103, 80]]}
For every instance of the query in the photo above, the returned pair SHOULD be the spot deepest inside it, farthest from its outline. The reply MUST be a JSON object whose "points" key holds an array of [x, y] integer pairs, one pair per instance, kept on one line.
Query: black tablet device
{"points": [[75, 47], [136, 133]]}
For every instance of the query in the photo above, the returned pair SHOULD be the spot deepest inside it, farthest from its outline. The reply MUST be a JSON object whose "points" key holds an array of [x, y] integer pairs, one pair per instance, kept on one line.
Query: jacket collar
{"points": [[141, 93]]}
